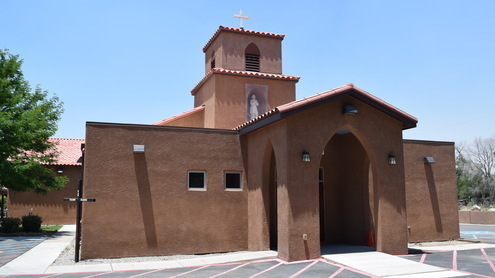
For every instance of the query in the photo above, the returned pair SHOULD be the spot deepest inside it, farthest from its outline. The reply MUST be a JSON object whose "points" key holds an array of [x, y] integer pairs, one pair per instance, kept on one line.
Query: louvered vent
{"points": [[252, 62], [213, 63]]}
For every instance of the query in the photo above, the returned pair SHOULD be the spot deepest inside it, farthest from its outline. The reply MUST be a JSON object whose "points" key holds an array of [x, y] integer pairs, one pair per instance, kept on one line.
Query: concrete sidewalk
{"points": [[38, 259]]}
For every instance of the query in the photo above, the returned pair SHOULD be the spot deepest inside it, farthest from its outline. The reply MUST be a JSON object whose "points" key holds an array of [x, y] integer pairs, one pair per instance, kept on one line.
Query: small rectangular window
{"points": [[233, 180], [196, 180]]}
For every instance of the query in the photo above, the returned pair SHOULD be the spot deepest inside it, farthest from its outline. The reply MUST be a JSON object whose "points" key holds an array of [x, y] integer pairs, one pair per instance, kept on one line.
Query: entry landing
{"points": [[368, 260]]}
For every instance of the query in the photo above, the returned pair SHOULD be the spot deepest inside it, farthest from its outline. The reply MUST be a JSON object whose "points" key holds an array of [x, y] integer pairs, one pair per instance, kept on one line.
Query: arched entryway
{"points": [[345, 181]]}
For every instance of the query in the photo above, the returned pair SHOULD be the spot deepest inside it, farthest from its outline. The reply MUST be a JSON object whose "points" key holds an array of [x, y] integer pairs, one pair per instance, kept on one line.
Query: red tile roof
{"points": [[69, 151], [179, 116], [243, 73], [348, 89], [242, 31]]}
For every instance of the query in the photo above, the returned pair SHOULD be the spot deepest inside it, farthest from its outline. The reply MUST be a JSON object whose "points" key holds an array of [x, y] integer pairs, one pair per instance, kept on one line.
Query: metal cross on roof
{"points": [[240, 16]]}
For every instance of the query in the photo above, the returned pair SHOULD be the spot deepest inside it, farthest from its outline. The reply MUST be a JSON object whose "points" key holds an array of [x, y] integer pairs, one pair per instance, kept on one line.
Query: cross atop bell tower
{"points": [[241, 16]]}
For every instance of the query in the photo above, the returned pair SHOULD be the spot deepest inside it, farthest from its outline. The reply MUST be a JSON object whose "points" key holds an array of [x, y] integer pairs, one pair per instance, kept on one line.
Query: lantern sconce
{"points": [[391, 159], [138, 148], [429, 160], [305, 157], [350, 110]]}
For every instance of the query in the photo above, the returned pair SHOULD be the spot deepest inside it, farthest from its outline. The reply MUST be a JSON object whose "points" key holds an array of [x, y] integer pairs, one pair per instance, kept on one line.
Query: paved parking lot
{"points": [[13, 247], [474, 262], [265, 268], [483, 233]]}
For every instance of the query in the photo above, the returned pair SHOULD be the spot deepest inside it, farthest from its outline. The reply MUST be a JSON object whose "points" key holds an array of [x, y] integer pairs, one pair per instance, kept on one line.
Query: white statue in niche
{"points": [[253, 107]]}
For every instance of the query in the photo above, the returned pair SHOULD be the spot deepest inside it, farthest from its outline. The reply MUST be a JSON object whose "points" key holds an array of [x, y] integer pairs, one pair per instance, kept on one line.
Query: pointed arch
{"points": [[252, 58], [346, 179]]}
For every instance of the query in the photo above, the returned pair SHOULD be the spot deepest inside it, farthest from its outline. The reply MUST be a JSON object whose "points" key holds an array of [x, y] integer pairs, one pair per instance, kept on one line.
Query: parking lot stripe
{"points": [[239, 266], [187, 272], [336, 272], [266, 270], [488, 259], [304, 269], [423, 258], [454, 260]]}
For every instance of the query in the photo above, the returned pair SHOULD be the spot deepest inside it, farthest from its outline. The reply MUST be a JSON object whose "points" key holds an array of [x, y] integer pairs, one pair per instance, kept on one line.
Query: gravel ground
{"points": [[439, 243], [67, 258]]}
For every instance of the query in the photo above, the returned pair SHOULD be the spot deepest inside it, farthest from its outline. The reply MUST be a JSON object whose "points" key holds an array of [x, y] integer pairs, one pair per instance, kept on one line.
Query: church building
{"points": [[252, 168]]}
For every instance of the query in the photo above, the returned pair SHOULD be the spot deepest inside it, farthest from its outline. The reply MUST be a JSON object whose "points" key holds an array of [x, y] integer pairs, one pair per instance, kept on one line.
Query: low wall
{"points": [[477, 217]]}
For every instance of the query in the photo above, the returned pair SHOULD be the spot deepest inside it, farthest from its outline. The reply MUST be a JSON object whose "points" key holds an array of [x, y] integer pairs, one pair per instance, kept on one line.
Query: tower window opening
{"points": [[252, 62], [212, 60], [252, 56]]}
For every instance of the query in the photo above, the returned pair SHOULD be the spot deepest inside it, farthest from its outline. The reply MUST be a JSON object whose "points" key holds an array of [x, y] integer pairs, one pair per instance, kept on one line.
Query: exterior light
{"points": [[138, 148], [60, 170], [391, 159], [305, 157], [349, 110], [429, 160]]}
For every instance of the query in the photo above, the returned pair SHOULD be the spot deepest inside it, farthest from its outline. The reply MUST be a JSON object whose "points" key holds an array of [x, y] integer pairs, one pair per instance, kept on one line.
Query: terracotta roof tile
{"points": [[69, 151], [242, 31], [179, 116], [325, 95], [243, 73]]}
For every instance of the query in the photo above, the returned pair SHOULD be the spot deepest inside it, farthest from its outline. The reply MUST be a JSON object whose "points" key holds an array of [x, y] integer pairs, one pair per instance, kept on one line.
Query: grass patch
{"points": [[50, 228]]}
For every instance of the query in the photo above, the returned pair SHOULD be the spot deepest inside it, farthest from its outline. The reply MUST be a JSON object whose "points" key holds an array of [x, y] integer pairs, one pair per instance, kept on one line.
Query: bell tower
{"points": [[243, 77]]}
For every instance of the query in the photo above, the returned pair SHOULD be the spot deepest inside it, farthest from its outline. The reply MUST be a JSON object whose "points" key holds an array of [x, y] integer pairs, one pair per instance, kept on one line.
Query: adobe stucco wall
{"points": [[143, 206], [298, 193], [224, 97], [431, 191], [52, 206], [477, 217]]}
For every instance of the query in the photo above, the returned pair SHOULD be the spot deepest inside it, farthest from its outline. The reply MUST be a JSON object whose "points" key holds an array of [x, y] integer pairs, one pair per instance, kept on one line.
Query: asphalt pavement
{"points": [[445, 260]]}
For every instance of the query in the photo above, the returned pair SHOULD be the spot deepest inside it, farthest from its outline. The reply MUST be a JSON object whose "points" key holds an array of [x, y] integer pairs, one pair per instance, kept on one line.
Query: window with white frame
{"points": [[233, 180], [196, 179]]}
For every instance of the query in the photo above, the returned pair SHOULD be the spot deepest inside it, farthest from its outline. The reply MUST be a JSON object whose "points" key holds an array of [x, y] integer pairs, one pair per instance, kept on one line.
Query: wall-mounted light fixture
{"points": [[138, 148], [391, 159], [60, 170], [429, 160], [305, 156], [349, 110]]}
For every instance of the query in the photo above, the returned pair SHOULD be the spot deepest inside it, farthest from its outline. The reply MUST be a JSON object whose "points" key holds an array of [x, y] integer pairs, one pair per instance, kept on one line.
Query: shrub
{"points": [[10, 225], [31, 223]]}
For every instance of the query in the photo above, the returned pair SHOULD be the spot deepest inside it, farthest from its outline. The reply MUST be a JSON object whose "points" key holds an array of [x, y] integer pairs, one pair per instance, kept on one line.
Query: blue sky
{"points": [[136, 61]]}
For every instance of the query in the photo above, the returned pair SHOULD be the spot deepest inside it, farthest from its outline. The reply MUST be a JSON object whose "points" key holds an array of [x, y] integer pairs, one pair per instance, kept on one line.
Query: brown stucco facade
{"points": [[332, 168], [152, 210], [432, 212], [51, 207]]}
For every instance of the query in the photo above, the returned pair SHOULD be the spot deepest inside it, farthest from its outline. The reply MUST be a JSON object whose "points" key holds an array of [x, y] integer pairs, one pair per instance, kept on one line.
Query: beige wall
{"points": [[298, 194], [52, 206], [229, 48], [431, 189], [196, 119], [143, 205], [477, 217]]}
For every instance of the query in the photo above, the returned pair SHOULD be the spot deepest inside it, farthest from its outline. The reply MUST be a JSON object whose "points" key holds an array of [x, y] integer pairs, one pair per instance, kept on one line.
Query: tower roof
{"points": [[243, 73], [241, 31]]}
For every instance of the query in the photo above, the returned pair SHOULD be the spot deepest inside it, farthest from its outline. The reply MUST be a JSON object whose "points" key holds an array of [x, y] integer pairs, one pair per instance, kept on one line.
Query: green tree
{"points": [[27, 119]]}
